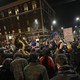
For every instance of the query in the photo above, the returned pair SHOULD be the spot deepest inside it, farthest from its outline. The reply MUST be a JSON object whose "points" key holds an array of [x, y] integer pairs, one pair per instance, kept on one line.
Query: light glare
{"points": [[36, 21], [77, 18], [54, 22]]}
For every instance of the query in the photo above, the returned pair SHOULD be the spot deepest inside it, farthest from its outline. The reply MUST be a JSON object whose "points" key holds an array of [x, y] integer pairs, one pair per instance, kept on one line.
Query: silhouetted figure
{"points": [[6, 73], [65, 72], [35, 71], [17, 66]]}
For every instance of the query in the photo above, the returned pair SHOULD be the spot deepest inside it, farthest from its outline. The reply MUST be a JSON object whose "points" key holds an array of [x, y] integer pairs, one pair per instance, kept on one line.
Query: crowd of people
{"points": [[40, 60]]}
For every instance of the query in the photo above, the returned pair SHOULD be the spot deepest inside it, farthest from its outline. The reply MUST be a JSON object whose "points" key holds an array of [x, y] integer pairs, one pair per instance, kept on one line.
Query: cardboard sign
{"points": [[68, 35]]}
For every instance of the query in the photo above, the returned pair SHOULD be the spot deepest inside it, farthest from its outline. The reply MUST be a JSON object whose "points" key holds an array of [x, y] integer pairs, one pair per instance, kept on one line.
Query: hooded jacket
{"points": [[66, 73]]}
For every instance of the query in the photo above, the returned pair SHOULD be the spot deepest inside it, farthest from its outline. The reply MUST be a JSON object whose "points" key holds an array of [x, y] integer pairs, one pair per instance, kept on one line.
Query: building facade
{"points": [[26, 16]]}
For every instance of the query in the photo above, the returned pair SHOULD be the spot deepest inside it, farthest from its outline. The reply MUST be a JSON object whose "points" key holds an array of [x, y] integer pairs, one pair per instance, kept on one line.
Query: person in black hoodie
{"points": [[6, 73], [65, 72]]}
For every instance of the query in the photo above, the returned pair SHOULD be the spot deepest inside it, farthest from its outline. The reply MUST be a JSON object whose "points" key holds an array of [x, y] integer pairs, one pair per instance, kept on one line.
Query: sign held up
{"points": [[68, 35]]}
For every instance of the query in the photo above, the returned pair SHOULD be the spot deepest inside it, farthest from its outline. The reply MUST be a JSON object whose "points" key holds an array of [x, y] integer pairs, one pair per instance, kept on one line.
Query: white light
{"points": [[0, 33], [24, 38], [9, 12], [4, 27], [17, 10], [13, 31], [37, 39], [51, 28], [77, 19], [75, 26], [74, 32], [54, 22], [62, 28], [36, 21], [10, 37]]}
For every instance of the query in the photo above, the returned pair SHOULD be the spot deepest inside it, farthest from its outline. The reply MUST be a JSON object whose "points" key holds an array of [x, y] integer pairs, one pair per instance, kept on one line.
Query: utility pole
{"points": [[41, 15]]}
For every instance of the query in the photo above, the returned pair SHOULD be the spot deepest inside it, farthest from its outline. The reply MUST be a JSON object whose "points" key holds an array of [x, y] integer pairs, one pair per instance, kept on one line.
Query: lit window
{"points": [[28, 29], [17, 12], [10, 37], [9, 12], [19, 30], [34, 5], [17, 17], [9, 32], [5, 32], [25, 7], [4, 27], [36, 21], [0, 33], [2, 14], [13, 31]]}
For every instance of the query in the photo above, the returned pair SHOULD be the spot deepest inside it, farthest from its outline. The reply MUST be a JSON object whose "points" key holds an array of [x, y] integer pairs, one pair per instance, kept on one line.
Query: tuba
{"points": [[21, 39]]}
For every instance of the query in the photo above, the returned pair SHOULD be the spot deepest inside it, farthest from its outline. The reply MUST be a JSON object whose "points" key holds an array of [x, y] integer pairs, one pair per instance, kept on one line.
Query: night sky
{"points": [[66, 11], [4, 2]]}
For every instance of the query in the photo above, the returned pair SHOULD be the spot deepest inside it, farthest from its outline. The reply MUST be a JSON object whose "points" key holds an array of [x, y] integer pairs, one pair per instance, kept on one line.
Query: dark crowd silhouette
{"points": [[40, 60]]}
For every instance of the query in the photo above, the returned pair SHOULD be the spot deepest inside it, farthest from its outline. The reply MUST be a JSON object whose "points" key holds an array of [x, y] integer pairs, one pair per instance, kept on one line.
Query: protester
{"points": [[42, 59], [48, 62], [6, 73], [2, 57], [65, 72], [35, 71], [17, 66], [78, 66]]}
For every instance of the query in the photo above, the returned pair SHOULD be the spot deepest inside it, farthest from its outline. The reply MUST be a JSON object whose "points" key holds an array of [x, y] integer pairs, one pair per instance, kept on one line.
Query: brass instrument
{"points": [[20, 39]]}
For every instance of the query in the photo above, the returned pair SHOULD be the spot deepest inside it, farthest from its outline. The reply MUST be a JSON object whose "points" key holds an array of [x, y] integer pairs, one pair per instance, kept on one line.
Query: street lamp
{"points": [[77, 18], [74, 32], [54, 22], [62, 28], [77, 27]]}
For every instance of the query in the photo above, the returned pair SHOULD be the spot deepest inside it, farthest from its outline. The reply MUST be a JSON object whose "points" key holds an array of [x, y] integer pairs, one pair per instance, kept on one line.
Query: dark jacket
{"points": [[5, 72], [49, 64], [17, 67], [66, 73], [35, 71]]}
